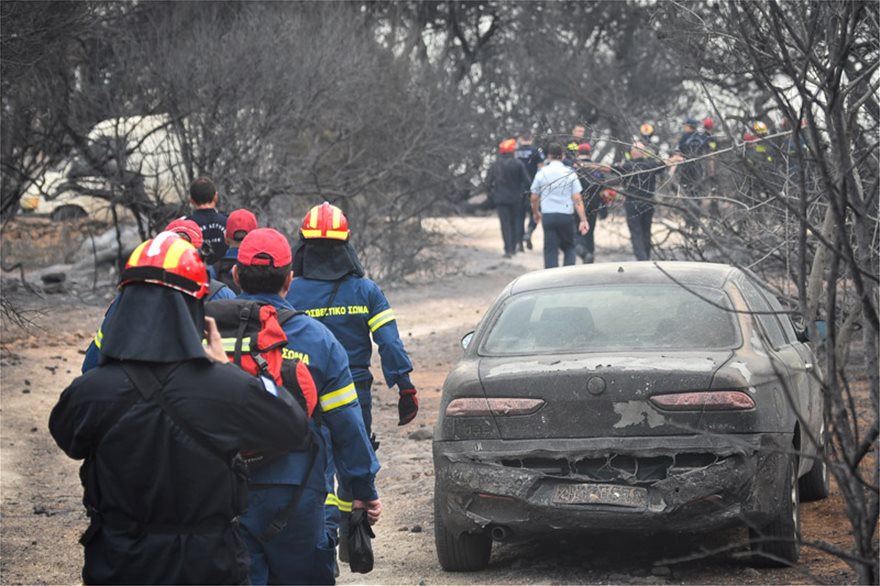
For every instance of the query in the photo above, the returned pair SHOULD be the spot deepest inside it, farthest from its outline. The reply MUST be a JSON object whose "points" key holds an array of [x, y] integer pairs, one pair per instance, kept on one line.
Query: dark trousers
{"points": [[585, 246], [528, 220], [510, 215], [638, 217], [333, 516], [559, 231], [302, 553]]}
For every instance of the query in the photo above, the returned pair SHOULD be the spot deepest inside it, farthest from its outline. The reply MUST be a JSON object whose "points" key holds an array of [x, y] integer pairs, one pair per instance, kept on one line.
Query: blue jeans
{"points": [[559, 230], [302, 553]]}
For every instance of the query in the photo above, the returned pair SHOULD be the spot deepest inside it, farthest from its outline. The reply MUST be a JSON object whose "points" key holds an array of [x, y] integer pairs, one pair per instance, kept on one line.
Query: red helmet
{"points": [[708, 124], [507, 146], [325, 221], [188, 230], [749, 137], [585, 148], [167, 260]]}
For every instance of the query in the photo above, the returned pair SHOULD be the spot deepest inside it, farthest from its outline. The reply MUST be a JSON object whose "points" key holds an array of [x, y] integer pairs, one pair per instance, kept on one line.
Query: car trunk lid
{"points": [[599, 395]]}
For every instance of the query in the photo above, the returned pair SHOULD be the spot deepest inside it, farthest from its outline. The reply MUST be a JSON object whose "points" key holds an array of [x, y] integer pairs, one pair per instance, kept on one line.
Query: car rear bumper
{"points": [[687, 483]]}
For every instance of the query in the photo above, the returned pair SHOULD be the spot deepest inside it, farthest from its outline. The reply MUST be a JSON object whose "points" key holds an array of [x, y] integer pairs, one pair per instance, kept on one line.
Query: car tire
{"points": [[67, 212], [777, 544], [467, 552], [813, 485]]}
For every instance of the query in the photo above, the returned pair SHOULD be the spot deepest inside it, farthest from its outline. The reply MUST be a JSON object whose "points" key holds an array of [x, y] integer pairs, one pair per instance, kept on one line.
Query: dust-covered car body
{"points": [[631, 396]]}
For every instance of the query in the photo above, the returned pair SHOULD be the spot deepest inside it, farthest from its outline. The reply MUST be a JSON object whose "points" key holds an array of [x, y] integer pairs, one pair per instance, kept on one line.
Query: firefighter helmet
{"points": [[708, 124], [167, 260], [188, 230], [646, 129], [760, 128], [507, 146], [325, 221]]}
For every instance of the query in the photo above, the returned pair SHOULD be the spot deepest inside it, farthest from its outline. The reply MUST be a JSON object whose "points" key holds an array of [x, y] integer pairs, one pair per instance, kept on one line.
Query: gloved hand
{"points": [[407, 406]]}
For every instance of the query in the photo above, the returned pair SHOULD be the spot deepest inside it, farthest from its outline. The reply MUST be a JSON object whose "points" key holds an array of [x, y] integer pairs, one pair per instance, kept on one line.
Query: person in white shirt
{"points": [[556, 198]]}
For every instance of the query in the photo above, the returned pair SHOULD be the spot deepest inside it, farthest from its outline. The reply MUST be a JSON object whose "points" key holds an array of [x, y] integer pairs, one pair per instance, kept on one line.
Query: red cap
{"points": [[507, 146], [264, 247], [239, 223], [708, 124], [585, 147], [187, 229]]}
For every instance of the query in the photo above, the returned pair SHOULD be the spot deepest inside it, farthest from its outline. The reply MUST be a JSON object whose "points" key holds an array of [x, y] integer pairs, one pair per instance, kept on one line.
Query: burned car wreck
{"points": [[632, 396]]}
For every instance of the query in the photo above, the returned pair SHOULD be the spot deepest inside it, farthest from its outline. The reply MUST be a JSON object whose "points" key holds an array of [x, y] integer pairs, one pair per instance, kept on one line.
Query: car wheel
{"points": [[813, 485], [67, 212], [777, 543], [467, 552]]}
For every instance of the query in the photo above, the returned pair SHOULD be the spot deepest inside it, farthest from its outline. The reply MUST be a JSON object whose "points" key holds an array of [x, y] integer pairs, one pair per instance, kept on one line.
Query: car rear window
{"points": [[612, 318]]}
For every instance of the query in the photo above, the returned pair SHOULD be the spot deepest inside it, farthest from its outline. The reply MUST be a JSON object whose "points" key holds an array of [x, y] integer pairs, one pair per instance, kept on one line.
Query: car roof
{"points": [[701, 274]]}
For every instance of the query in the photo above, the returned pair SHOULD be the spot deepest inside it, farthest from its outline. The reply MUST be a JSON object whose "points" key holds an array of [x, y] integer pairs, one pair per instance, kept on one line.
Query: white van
{"points": [[140, 151]]}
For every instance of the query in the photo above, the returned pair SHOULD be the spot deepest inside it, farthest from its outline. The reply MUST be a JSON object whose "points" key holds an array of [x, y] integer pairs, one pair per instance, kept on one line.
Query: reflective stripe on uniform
{"points": [[229, 344], [334, 501], [380, 319], [99, 338], [343, 396]]}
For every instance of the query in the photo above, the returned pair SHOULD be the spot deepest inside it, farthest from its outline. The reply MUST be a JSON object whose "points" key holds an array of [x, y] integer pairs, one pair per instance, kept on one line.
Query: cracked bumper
{"points": [[742, 486]]}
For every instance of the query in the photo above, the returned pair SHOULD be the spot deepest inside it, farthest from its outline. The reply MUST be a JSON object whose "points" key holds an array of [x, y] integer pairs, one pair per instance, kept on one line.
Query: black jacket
{"points": [[508, 181], [164, 506]]}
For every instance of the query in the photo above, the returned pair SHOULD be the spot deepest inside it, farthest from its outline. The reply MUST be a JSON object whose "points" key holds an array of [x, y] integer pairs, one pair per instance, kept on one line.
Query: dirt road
{"points": [[42, 515]]}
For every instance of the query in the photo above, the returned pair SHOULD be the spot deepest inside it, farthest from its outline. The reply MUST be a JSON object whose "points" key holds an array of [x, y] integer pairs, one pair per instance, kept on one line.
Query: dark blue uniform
{"points": [[357, 311], [304, 552], [354, 309]]}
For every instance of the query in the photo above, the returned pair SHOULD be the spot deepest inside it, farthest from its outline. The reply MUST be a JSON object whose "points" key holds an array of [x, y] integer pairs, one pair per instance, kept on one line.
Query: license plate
{"points": [[601, 494]]}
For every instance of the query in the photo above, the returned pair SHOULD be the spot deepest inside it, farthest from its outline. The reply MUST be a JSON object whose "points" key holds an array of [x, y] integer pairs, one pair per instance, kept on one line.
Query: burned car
{"points": [[650, 397]]}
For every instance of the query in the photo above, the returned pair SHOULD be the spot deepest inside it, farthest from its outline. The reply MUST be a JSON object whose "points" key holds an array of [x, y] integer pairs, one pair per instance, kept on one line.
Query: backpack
{"points": [[254, 340], [223, 268]]}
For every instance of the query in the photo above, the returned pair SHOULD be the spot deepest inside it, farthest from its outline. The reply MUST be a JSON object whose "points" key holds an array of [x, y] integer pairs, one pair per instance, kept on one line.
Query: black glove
{"points": [[407, 406]]}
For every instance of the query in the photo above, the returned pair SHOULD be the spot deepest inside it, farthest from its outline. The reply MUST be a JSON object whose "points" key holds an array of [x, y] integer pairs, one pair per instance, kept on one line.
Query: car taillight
{"points": [[473, 407], [705, 401]]}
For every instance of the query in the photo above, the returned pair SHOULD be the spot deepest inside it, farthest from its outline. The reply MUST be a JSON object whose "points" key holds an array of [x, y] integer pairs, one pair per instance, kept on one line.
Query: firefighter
{"points": [[691, 173], [591, 179], [533, 158], [762, 179], [303, 552], [330, 286], [507, 180], [189, 231], [711, 165], [159, 425]]}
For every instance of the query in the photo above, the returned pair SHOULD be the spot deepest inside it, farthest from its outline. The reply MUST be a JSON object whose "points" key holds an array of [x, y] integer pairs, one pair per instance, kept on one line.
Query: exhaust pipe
{"points": [[499, 533]]}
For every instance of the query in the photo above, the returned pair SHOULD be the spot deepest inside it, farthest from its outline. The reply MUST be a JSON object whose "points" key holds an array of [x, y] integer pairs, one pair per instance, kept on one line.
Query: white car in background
{"points": [[150, 151]]}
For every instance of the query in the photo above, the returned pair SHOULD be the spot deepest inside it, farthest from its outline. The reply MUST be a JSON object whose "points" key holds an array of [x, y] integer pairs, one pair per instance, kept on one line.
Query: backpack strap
{"points": [[244, 315], [281, 518], [214, 287], [285, 315], [332, 298], [150, 388]]}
